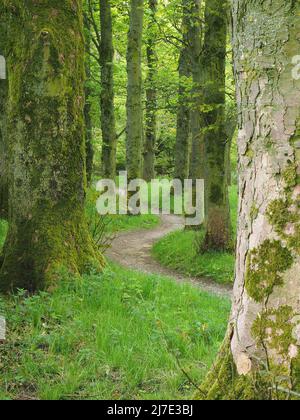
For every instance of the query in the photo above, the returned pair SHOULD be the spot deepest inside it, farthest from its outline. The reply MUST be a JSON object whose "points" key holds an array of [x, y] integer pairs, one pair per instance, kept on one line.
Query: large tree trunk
{"points": [[108, 124], [134, 91], [151, 95], [183, 137], [218, 226], [46, 147], [260, 358], [3, 101]]}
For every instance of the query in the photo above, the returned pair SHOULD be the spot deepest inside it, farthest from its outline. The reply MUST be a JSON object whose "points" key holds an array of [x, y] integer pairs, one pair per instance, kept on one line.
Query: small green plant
{"points": [[99, 228]]}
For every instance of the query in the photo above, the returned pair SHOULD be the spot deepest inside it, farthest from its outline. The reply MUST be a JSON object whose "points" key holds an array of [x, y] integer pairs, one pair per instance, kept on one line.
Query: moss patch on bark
{"points": [[46, 146], [265, 267]]}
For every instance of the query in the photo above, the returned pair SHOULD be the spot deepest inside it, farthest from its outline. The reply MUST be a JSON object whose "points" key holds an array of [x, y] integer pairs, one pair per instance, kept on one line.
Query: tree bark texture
{"points": [[260, 357], [218, 226], [87, 109], [3, 136], [108, 123], [151, 97], [134, 91], [46, 146], [183, 134]]}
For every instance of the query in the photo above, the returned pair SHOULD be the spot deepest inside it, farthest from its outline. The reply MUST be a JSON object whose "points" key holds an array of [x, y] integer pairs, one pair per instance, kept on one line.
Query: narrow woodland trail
{"points": [[133, 250]]}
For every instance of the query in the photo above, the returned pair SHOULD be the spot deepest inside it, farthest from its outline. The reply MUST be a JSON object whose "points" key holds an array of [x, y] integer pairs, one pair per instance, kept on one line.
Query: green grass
{"points": [[115, 336], [114, 223], [121, 335], [179, 251], [119, 223]]}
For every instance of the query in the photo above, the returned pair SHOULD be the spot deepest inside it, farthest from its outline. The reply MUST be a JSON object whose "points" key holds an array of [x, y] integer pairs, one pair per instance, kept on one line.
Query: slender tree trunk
{"points": [[46, 147], [134, 91], [183, 137], [3, 154], [230, 128], [87, 109], [197, 160], [151, 95], [261, 356], [3, 101], [108, 123], [198, 150], [218, 226]]}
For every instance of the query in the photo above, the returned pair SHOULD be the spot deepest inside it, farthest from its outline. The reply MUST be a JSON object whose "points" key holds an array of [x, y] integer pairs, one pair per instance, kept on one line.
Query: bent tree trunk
{"points": [[46, 147], [151, 95], [108, 124], [218, 226], [261, 356], [134, 91]]}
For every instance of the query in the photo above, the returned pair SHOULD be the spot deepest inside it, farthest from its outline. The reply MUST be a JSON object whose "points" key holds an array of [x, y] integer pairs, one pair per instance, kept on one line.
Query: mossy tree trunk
{"points": [[87, 106], [3, 158], [46, 146], [197, 160], [3, 137], [183, 133], [218, 226], [261, 356], [198, 151], [108, 123], [134, 129], [151, 96]]}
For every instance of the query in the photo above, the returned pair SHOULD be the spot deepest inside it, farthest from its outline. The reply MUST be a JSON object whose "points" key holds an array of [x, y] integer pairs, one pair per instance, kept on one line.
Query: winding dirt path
{"points": [[133, 250]]}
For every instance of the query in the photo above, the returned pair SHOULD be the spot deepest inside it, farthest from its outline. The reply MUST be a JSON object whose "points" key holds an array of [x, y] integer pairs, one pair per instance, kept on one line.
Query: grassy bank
{"points": [[119, 223], [116, 336], [179, 251]]}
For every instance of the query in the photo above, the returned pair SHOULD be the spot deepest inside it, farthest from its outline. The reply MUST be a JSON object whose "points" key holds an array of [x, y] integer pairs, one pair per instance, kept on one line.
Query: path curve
{"points": [[133, 250]]}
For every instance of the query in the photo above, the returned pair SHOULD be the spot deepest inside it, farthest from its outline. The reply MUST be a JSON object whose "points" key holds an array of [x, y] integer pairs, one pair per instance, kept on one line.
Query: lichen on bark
{"points": [[263, 348], [266, 264], [46, 146]]}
